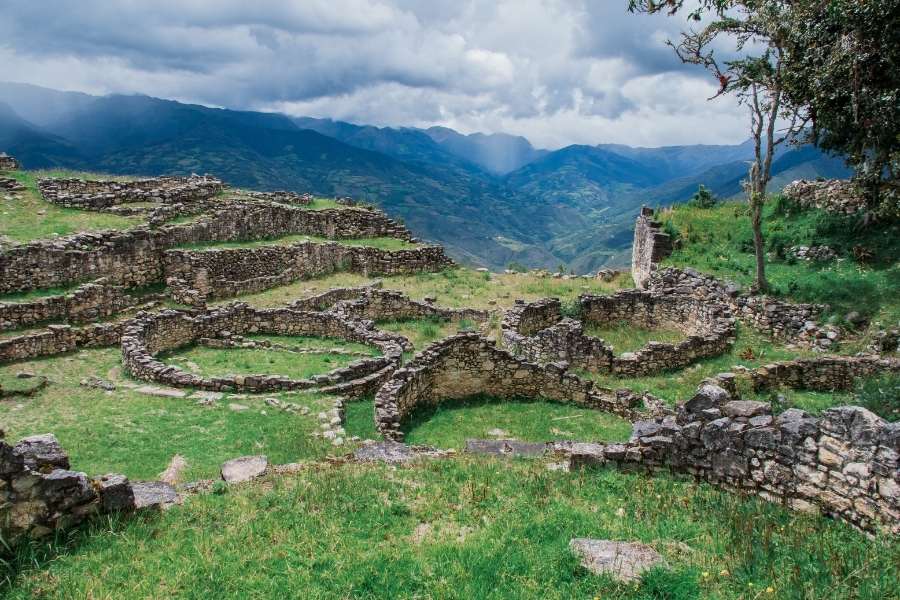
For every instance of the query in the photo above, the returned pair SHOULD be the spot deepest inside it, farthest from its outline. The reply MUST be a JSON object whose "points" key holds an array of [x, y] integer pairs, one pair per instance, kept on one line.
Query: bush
{"points": [[703, 198], [881, 395]]}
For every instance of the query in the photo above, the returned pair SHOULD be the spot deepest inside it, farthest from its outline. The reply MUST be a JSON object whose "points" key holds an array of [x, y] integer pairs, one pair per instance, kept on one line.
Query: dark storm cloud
{"points": [[559, 71]]}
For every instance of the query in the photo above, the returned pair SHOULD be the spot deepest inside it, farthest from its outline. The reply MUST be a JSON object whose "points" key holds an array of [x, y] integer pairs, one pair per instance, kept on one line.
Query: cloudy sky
{"points": [[557, 71]]}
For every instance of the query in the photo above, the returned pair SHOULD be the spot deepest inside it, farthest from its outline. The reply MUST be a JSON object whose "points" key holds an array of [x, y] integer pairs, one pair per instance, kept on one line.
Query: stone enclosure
{"points": [[538, 331], [843, 464], [150, 334]]}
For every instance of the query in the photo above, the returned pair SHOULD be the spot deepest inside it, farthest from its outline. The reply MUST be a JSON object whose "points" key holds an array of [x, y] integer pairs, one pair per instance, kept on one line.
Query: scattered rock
{"points": [[505, 448], [164, 392], [96, 382], [389, 452], [154, 494], [624, 561], [245, 468]]}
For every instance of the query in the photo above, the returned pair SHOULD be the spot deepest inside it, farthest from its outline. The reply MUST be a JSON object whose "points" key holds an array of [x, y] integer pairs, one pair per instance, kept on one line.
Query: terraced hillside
{"points": [[321, 405]]}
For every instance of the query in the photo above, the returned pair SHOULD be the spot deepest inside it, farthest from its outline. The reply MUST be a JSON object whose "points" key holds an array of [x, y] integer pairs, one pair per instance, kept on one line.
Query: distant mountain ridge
{"points": [[490, 199]]}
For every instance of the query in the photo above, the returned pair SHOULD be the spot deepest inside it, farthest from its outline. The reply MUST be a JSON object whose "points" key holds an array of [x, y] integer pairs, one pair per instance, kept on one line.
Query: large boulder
{"points": [[245, 468]]}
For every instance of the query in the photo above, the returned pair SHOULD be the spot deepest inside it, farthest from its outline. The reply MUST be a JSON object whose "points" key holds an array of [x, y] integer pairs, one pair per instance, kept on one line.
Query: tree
{"points": [[757, 30], [702, 198], [843, 61]]}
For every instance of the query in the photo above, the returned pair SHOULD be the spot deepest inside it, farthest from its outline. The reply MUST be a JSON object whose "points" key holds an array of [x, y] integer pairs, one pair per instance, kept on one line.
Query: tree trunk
{"points": [[757, 199], [756, 204]]}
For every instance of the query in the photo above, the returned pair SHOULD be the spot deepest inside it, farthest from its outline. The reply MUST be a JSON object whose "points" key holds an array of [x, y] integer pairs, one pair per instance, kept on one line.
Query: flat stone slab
{"points": [[624, 561], [154, 494], [165, 392], [506, 448], [207, 395], [245, 468], [389, 452]]}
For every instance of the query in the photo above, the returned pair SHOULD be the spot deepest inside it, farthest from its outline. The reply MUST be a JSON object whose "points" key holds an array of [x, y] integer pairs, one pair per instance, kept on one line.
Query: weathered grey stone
{"points": [[625, 561], [245, 468], [115, 492], [389, 452], [745, 408], [708, 396], [505, 448], [154, 494], [63, 489], [41, 452]]}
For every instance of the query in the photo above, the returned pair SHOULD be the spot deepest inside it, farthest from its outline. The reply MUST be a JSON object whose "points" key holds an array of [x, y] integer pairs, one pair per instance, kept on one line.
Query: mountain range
{"points": [[491, 200]]}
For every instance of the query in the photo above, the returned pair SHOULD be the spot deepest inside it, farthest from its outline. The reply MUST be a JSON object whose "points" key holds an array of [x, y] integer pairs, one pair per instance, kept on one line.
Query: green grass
{"points": [[215, 362], [136, 434], [450, 425], [30, 296], [422, 332], [460, 528], [719, 241], [454, 288], [627, 337], [28, 216], [382, 243]]}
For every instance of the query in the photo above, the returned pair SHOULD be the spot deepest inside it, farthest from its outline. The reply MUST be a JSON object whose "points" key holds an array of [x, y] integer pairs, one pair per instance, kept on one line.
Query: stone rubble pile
{"points": [[832, 195], [40, 493]]}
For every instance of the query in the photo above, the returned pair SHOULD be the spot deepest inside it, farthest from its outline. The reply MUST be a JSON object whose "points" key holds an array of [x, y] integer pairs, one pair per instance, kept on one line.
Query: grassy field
{"points": [[213, 362], [458, 528], [137, 434], [625, 337], [719, 241], [27, 216], [382, 243], [463, 527]]}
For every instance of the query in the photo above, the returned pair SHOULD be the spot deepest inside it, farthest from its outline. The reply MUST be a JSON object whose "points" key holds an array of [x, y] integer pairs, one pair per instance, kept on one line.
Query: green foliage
{"points": [[842, 62], [881, 396], [718, 241], [702, 198]]}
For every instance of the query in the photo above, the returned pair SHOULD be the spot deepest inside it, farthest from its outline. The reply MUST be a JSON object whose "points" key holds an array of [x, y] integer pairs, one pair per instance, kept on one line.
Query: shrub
{"points": [[703, 198], [881, 395]]}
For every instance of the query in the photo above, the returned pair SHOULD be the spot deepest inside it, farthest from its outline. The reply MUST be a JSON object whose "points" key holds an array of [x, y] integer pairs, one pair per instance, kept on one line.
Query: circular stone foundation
{"points": [[539, 332], [149, 335], [467, 364]]}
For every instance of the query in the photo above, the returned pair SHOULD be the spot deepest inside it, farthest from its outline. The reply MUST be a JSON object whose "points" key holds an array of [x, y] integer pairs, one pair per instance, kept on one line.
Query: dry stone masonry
{"points": [[196, 276], [8, 163], [39, 492], [844, 464], [93, 194], [832, 195], [651, 245], [136, 257], [88, 302], [539, 332], [468, 364], [150, 334]]}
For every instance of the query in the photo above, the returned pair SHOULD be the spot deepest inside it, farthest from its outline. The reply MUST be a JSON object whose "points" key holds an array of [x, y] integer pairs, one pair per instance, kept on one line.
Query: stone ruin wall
{"points": [[150, 334], [468, 364], [59, 339], [538, 332], [196, 276], [101, 195], [833, 195], [8, 163], [89, 302], [844, 464], [650, 246], [825, 374], [781, 320], [376, 304], [40, 493], [135, 257]]}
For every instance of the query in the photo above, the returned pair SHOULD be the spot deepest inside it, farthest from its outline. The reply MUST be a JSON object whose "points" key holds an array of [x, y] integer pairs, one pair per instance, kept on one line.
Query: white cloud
{"points": [[556, 71]]}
